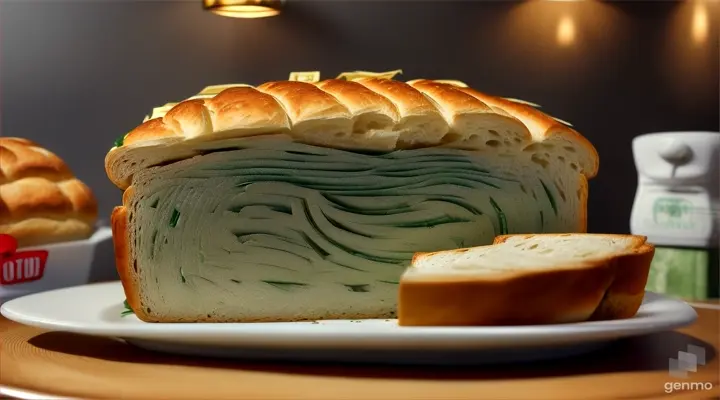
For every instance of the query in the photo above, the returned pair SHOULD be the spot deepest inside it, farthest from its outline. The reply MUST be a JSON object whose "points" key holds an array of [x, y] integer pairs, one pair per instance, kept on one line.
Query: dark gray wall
{"points": [[75, 75]]}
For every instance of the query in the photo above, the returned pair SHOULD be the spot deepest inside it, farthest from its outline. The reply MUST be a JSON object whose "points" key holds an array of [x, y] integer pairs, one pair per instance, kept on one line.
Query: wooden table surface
{"points": [[76, 366]]}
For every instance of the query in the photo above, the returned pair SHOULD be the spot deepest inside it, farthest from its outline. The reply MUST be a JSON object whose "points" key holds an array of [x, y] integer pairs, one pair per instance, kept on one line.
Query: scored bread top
{"points": [[41, 201], [362, 114]]}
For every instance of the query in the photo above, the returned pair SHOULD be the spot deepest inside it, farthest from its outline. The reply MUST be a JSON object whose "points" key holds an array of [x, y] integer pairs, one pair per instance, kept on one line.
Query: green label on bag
{"points": [[673, 213], [685, 273]]}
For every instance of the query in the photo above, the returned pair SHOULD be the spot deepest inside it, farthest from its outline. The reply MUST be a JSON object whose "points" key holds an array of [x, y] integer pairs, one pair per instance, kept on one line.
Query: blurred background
{"points": [[75, 75]]}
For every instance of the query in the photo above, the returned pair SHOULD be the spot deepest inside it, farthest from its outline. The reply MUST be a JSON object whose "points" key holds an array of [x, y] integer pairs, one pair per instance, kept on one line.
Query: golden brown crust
{"points": [[358, 99], [304, 101], [543, 127], [190, 119], [347, 115], [470, 118], [603, 289], [20, 158], [34, 197], [121, 243], [153, 129], [247, 108], [43, 231], [518, 299], [233, 113], [625, 295], [41, 202], [407, 99], [450, 98], [582, 195], [127, 195]]}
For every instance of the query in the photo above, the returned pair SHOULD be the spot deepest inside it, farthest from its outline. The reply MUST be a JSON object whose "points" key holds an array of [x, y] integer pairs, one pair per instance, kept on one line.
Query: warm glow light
{"points": [[700, 23], [566, 31], [244, 8]]}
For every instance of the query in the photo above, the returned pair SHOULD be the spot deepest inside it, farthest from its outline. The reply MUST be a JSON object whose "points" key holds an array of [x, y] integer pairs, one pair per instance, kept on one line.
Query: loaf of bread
{"points": [[301, 201], [41, 201], [527, 279]]}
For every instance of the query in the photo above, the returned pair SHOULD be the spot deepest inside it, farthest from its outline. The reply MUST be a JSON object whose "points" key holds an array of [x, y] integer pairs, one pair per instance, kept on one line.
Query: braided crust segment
{"points": [[367, 114]]}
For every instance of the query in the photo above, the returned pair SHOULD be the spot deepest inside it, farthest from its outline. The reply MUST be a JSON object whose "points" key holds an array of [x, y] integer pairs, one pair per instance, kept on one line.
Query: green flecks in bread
{"points": [[174, 218], [340, 204], [312, 221], [430, 222], [459, 242], [339, 264], [127, 310], [152, 244], [550, 197], [284, 285], [316, 248], [303, 219], [358, 288], [502, 220], [119, 141], [345, 227]]}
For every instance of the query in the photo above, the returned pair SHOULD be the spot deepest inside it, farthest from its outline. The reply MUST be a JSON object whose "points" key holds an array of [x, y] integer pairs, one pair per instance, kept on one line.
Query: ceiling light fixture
{"points": [[244, 8], [565, 34], [700, 23]]}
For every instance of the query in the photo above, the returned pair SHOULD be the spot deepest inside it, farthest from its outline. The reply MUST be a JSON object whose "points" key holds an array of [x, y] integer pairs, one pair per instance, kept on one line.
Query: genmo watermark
{"points": [[680, 367], [682, 386]]}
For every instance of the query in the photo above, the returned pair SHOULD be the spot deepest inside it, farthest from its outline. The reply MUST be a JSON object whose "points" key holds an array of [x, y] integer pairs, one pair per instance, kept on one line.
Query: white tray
{"points": [[68, 264]]}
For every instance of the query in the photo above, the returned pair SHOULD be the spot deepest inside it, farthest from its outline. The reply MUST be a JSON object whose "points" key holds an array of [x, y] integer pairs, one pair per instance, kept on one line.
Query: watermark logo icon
{"points": [[681, 367], [687, 361]]}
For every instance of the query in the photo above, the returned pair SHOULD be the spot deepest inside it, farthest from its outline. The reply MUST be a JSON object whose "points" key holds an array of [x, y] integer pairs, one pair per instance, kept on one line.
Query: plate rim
{"points": [[254, 334]]}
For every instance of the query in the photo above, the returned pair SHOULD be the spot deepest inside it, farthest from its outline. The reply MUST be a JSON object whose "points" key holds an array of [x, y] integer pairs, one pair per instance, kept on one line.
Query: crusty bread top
{"points": [[367, 113], [41, 201], [22, 158]]}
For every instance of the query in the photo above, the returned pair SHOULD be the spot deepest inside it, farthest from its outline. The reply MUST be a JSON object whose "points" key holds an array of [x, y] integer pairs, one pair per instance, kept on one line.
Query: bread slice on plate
{"points": [[527, 279]]}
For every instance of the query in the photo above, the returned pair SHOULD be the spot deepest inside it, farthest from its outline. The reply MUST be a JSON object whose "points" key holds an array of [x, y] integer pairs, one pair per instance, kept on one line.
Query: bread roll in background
{"points": [[41, 201]]}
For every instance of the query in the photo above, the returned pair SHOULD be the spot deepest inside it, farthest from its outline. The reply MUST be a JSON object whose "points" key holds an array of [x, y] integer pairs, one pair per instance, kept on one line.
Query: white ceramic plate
{"points": [[96, 310]]}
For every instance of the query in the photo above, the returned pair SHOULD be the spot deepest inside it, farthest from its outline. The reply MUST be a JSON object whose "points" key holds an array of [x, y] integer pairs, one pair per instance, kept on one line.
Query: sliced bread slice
{"points": [[527, 279]]}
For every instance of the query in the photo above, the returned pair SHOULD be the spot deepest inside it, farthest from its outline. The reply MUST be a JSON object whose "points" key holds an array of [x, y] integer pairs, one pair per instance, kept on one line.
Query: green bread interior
{"points": [[291, 217]]}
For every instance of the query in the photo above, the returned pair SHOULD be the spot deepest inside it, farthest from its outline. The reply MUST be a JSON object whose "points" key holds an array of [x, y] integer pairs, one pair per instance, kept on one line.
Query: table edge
{"points": [[24, 394], [705, 306]]}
